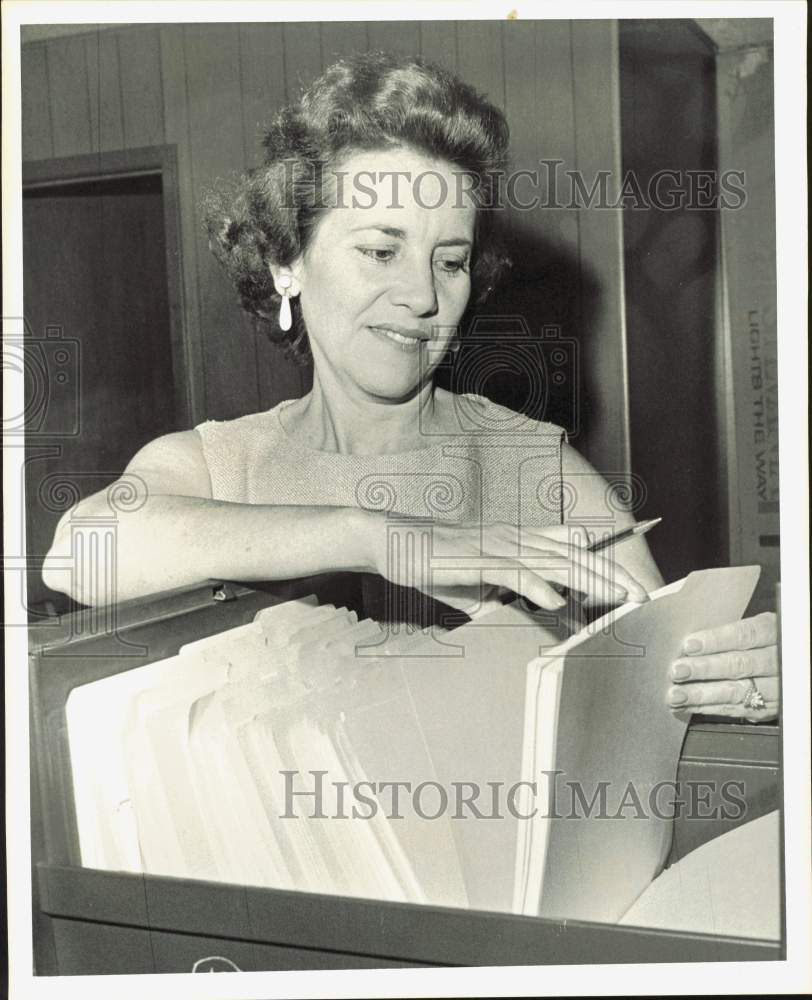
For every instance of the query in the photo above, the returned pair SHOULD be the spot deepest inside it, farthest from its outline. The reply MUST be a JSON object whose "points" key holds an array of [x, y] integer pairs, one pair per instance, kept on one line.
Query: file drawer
{"points": [[95, 922], [93, 925], [84, 948]]}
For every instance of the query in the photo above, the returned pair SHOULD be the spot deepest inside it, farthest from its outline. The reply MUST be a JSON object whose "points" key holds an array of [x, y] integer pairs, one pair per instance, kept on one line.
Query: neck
{"points": [[330, 419]]}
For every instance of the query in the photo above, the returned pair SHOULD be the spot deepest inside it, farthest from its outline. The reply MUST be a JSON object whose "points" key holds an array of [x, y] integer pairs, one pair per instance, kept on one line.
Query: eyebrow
{"points": [[400, 234]]}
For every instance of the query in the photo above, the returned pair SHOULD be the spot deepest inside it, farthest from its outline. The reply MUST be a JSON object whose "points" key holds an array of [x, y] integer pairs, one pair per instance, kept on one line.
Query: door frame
{"points": [[139, 162]]}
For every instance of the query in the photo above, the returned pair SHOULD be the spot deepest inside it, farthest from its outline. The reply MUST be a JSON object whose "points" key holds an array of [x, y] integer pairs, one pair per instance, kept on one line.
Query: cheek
{"points": [[333, 300], [454, 295], [345, 286]]}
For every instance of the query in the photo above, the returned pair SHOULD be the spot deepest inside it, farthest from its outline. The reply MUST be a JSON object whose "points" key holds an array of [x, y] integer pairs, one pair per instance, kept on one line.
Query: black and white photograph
{"points": [[406, 499]]}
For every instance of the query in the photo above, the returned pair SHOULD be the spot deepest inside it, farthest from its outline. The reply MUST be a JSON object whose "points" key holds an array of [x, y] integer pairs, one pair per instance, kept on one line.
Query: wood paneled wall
{"points": [[208, 89]]}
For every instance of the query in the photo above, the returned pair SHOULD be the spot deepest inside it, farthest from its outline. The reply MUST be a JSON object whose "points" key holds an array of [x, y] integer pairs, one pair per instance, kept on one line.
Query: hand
{"points": [[451, 562], [718, 667]]}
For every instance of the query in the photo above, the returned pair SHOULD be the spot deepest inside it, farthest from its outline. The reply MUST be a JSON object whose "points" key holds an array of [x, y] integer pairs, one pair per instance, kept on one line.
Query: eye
{"points": [[452, 265], [381, 255]]}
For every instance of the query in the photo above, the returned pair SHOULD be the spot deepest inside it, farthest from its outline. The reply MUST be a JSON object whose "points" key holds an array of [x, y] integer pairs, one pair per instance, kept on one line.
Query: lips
{"points": [[406, 338]]}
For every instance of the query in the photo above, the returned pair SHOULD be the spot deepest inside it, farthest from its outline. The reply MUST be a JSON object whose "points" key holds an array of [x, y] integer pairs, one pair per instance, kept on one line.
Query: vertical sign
{"points": [[746, 147]]}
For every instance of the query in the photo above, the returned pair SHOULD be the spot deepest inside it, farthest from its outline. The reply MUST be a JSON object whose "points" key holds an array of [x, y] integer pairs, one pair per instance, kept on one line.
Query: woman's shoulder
{"points": [[168, 449], [242, 436], [609, 498], [237, 451], [172, 463], [474, 415], [244, 425]]}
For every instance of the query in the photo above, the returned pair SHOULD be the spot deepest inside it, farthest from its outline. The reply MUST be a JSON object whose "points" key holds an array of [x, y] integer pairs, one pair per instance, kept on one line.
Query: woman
{"points": [[364, 237]]}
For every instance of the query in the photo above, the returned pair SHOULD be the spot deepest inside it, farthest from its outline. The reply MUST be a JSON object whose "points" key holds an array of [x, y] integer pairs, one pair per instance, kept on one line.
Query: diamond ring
{"points": [[754, 698]]}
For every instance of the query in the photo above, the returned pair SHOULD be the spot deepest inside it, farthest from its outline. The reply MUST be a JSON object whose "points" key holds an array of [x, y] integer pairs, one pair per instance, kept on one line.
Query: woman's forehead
{"points": [[401, 190]]}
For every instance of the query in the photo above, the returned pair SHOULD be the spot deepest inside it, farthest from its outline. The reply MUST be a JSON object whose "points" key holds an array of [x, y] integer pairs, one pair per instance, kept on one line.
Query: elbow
{"points": [[86, 562], [68, 568], [73, 564], [53, 578], [58, 568]]}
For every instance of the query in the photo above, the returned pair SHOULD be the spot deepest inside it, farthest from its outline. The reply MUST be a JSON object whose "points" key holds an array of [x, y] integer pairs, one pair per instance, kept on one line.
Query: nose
{"points": [[416, 290]]}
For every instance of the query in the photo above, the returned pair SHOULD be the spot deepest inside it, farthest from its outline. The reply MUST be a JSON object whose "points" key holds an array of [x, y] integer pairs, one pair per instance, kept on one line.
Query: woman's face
{"points": [[386, 276]]}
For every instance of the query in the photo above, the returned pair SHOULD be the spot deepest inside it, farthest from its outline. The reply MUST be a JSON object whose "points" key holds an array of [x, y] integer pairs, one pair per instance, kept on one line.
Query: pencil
{"points": [[571, 615], [618, 536]]}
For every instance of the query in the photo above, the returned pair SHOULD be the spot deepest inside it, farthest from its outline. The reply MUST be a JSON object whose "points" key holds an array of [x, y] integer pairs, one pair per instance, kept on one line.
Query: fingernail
{"points": [[621, 593], [637, 596], [677, 697], [692, 646], [560, 603], [680, 671]]}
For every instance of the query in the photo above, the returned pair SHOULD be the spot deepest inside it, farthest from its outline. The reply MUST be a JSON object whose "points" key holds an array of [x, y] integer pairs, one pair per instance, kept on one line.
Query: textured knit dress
{"points": [[500, 466]]}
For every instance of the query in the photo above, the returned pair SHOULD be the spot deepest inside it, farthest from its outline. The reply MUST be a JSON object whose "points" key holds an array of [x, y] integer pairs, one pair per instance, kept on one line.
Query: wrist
{"points": [[364, 535]]}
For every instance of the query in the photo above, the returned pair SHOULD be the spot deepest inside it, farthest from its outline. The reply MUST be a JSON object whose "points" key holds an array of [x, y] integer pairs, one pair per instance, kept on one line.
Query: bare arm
{"points": [[171, 533]]}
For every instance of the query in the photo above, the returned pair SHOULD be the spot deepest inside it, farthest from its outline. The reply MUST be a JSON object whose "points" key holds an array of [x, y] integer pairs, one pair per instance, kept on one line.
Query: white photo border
{"points": [[793, 975]]}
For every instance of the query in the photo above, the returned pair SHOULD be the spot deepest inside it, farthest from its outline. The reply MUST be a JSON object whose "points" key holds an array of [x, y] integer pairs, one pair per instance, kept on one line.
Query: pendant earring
{"points": [[285, 316]]}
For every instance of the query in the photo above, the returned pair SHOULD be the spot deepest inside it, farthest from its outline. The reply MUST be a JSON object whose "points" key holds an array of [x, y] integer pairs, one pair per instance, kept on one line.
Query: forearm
{"points": [[174, 541]]}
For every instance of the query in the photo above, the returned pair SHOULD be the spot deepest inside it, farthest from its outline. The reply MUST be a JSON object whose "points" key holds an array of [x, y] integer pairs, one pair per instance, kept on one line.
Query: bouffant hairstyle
{"points": [[371, 101]]}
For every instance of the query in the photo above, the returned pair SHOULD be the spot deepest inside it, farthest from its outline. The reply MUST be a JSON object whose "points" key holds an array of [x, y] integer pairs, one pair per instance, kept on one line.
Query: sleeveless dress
{"points": [[501, 466]]}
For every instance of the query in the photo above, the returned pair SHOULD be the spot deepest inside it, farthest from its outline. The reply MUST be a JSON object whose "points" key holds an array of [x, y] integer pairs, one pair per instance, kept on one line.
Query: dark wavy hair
{"points": [[371, 101]]}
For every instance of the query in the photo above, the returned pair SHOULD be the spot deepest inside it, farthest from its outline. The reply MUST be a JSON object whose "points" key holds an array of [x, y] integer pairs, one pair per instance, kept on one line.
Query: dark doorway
{"points": [[668, 124], [101, 352]]}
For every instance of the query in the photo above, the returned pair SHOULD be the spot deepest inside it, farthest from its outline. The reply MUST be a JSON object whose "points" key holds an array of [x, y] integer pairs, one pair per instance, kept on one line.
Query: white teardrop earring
{"points": [[285, 315]]}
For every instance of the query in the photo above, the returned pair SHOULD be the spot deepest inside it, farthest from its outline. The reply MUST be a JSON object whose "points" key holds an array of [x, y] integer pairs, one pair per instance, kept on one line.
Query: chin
{"points": [[395, 382], [392, 386]]}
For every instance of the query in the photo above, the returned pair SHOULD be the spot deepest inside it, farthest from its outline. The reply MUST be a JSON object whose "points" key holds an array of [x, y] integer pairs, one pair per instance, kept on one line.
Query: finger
{"points": [[584, 568], [568, 534], [531, 585], [560, 570], [556, 562], [507, 573], [569, 541], [463, 597], [766, 714], [746, 634], [760, 662], [609, 568], [693, 696]]}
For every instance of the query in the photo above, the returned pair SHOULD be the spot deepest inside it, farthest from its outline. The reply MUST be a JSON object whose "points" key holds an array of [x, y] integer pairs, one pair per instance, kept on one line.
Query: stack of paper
{"points": [[308, 751]]}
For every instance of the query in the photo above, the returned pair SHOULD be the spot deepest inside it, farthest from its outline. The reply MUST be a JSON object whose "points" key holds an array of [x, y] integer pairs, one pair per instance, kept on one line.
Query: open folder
{"points": [[502, 770]]}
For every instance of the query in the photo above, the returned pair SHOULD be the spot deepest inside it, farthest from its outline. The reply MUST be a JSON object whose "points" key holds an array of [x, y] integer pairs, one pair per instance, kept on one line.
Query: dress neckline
{"points": [[321, 452]]}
